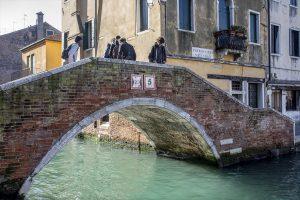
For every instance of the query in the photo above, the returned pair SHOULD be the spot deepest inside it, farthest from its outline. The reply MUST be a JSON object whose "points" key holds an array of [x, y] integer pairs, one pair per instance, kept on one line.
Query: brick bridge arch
{"points": [[185, 115]]}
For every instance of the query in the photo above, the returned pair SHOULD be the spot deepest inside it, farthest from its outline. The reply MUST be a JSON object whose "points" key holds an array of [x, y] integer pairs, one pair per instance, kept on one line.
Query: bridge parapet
{"points": [[185, 116]]}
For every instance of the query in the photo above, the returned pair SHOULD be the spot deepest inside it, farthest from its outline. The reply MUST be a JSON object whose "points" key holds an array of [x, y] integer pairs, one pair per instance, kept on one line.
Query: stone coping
{"points": [[219, 61], [35, 77]]}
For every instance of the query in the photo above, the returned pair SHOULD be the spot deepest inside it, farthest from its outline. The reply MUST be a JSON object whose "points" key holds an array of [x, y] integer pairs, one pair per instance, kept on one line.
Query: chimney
{"points": [[40, 25]]}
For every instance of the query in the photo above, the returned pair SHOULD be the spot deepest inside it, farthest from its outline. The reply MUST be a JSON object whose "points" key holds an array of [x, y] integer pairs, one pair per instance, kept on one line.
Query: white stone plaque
{"points": [[149, 82], [202, 53], [136, 82]]}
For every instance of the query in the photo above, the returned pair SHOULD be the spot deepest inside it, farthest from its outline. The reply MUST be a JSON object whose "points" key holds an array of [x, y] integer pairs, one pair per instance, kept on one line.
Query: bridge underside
{"points": [[172, 135]]}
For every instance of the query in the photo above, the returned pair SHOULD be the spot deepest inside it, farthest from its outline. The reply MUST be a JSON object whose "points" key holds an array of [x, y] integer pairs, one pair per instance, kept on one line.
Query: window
{"points": [[186, 15], [88, 37], [49, 32], [276, 100], [292, 100], [28, 62], [143, 15], [32, 63], [66, 36], [294, 43], [253, 95], [237, 90], [237, 86], [275, 39], [226, 14], [254, 27], [293, 3]]}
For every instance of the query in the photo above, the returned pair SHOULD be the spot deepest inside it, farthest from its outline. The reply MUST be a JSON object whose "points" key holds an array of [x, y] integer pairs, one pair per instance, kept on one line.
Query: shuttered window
{"points": [[185, 9], [224, 15], [88, 37], [143, 7], [254, 27]]}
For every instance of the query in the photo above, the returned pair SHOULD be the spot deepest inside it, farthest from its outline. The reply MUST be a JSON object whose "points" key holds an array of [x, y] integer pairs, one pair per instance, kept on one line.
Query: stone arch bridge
{"points": [[183, 114]]}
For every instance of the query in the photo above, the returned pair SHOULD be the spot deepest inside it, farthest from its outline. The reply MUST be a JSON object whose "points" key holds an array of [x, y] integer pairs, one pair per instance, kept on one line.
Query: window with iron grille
{"points": [[237, 85]]}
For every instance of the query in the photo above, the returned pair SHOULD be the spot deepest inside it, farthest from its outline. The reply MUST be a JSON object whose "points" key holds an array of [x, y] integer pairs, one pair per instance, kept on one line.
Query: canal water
{"points": [[86, 170]]}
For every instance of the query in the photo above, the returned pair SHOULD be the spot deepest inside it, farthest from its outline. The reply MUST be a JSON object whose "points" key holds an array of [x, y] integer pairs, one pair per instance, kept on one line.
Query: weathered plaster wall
{"points": [[40, 56], [181, 43], [203, 68], [123, 20], [283, 65]]}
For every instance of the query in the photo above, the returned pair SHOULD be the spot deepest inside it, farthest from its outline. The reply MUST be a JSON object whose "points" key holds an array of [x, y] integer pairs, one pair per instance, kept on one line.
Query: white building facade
{"points": [[284, 84]]}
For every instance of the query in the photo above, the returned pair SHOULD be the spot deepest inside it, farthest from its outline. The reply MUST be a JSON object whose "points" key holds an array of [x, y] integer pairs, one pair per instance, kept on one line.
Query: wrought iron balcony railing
{"points": [[231, 41]]}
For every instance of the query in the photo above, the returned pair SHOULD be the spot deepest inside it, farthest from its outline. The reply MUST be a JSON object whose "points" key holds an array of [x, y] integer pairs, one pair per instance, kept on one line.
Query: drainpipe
{"points": [[269, 51], [269, 42], [95, 28]]}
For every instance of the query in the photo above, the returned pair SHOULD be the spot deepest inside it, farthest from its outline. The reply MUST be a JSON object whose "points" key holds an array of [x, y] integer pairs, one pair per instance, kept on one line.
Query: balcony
{"points": [[231, 41]]}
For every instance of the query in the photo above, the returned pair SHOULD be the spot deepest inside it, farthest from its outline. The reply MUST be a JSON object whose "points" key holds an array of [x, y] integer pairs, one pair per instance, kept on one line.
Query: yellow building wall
{"points": [[53, 54], [204, 68], [40, 57]]}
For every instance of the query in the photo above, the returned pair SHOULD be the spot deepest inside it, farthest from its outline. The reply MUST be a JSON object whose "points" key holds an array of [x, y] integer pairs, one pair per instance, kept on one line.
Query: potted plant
{"points": [[240, 31]]}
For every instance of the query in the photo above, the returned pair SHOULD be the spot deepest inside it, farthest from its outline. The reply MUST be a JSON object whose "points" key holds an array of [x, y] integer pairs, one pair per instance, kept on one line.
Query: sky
{"points": [[12, 13]]}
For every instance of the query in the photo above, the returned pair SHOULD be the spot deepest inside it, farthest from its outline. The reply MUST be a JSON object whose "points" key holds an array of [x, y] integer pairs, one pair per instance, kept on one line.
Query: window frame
{"points": [[138, 16], [279, 35], [49, 31], [249, 27], [294, 6], [193, 22], [88, 47], [290, 42], [238, 92], [32, 63], [231, 14]]}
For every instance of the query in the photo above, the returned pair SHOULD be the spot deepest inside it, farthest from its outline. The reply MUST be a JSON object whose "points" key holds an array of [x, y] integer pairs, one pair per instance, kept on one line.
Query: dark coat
{"points": [[158, 54], [127, 52], [107, 51], [115, 50]]}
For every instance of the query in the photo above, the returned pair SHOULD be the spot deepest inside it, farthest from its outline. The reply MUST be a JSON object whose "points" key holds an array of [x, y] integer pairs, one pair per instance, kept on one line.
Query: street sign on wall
{"points": [[149, 82], [136, 82], [143, 82], [202, 53]]}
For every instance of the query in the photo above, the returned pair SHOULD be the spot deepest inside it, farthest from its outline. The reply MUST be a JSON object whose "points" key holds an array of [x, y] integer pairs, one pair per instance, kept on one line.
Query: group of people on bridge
{"points": [[119, 48]]}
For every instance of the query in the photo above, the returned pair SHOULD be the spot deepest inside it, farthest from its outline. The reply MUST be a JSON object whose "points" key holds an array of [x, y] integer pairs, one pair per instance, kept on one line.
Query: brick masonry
{"points": [[185, 116]]}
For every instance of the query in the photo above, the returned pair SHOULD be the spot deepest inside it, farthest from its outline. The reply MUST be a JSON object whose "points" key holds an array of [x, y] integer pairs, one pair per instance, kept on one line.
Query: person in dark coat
{"points": [[127, 51], [158, 52], [115, 48], [110, 46]]}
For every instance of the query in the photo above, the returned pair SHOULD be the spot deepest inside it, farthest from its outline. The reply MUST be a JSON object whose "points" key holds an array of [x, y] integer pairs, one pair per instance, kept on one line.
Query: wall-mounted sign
{"points": [[202, 53], [143, 82], [136, 82], [149, 82]]}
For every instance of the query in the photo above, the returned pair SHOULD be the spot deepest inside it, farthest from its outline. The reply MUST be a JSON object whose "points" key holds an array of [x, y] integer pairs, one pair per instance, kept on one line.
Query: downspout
{"points": [[98, 24], [95, 29], [269, 42]]}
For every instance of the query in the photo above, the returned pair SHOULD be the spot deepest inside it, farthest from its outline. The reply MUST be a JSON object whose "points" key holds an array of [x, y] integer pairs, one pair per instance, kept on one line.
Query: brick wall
{"points": [[37, 112]]}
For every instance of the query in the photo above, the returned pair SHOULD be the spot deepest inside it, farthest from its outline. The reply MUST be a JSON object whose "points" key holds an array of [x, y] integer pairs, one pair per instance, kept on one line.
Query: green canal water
{"points": [[86, 170]]}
